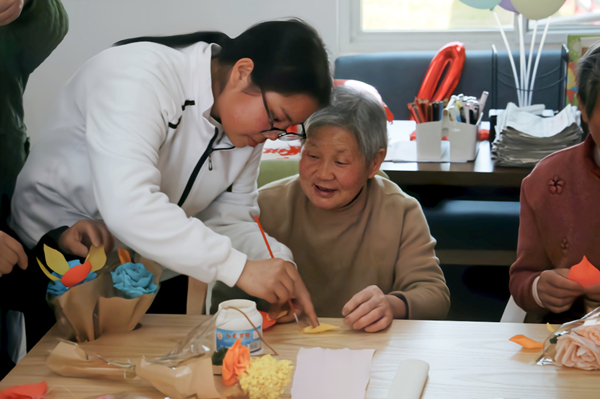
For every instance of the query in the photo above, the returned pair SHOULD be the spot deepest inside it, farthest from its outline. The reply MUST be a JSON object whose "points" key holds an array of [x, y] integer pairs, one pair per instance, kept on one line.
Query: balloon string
{"points": [[510, 57], [537, 58], [255, 329]]}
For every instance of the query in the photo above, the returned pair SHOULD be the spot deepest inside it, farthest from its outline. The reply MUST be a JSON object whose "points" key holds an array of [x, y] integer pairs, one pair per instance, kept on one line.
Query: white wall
{"points": [[96, 24]]}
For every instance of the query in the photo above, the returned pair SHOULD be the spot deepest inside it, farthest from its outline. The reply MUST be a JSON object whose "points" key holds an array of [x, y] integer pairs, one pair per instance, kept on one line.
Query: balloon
{"points": [[482, 4], [537, 9], [508, 5], [451, 55]]}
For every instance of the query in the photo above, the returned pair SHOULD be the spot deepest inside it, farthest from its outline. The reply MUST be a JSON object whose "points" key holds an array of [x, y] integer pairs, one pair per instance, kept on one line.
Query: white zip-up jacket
{"points": [[132, 143]]}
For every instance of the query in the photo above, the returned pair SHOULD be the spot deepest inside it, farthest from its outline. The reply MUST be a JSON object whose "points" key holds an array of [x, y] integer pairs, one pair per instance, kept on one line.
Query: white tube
{"points": [[510, 57], [528, 74], [537, 60]]}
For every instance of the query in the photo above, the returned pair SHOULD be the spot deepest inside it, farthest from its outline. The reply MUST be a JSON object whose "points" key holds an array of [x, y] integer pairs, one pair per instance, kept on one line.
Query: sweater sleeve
{"points": [[231, 215], [532, 259], [127, 115], [418, 276], [29, 40]]}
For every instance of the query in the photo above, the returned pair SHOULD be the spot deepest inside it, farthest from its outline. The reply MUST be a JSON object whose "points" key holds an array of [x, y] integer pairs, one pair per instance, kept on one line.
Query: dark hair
{"points": [[289, 56], [588, 78]]}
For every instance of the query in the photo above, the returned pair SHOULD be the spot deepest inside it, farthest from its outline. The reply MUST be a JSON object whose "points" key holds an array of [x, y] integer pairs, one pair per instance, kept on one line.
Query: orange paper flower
{"points": [[235, 363], [584, 273]]}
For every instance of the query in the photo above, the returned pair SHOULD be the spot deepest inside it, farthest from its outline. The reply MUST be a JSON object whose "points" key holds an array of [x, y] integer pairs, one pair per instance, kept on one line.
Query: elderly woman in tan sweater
{"points": [[362, 246]]}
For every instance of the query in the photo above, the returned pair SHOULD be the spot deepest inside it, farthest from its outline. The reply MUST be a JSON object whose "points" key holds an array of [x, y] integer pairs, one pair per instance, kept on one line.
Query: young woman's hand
{"points": [[556, 292], [11, 254], [78, 239], [277, 281], [372, 310]]}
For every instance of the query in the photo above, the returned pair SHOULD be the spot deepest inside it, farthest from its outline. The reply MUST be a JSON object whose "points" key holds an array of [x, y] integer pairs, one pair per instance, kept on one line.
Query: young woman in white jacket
{"points": [[161, 138]]}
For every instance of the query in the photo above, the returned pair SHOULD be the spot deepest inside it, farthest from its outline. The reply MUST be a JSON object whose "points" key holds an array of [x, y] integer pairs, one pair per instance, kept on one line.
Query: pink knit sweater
{"points": [[560, 222]]}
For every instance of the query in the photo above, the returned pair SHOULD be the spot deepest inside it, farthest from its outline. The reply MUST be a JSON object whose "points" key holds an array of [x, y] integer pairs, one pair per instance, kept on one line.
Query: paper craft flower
{"points": [[235, 362], [57, 287], [133, 280], [574, 350], [266, 378], [71, 273], [590, 332], [584, 273]]}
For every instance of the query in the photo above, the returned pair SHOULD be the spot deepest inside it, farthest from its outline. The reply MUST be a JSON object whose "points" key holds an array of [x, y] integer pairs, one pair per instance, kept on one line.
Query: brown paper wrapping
{"points": [[193, 377], [91, 309], [121, 314], [69, 360]]}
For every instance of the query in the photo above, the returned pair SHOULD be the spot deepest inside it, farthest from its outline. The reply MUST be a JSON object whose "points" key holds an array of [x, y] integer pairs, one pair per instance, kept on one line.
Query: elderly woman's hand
{"points": [[372, 310], [556, 291]]}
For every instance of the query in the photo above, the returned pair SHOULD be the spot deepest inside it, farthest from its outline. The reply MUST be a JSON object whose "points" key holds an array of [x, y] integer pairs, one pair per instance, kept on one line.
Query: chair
{"points": [[513, 313], [197, 297]]}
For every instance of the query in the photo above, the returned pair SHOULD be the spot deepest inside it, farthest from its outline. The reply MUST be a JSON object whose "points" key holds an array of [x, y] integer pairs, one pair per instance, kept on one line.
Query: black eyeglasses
{"points": [[294, 132]]}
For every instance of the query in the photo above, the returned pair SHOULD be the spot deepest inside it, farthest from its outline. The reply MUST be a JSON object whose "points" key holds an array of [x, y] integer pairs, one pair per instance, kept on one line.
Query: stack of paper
{"points": [[523, 137]]}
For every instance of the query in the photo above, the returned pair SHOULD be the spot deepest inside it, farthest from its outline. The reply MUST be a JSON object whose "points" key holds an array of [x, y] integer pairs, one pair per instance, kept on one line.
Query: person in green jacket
{"points": [[29, 31]]}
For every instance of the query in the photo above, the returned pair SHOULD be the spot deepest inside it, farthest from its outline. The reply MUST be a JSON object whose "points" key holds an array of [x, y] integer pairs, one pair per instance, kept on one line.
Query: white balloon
{"points": [[537, 9]]}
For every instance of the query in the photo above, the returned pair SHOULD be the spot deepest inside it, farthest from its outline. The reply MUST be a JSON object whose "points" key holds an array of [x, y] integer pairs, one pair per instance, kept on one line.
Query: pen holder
{"points": [[462, 138], [429, 141]]}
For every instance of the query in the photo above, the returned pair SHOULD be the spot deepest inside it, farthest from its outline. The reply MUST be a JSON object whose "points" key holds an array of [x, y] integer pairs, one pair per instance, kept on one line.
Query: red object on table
{"points": [[27, 391]]}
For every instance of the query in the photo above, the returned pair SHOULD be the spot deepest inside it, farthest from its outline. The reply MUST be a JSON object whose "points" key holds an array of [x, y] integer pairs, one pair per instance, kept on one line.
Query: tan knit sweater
{"points": [[381, 238]]}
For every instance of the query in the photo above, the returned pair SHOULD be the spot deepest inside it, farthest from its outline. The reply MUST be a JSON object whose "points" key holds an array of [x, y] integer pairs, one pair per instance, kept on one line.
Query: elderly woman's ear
{"points": [[376, 162]]}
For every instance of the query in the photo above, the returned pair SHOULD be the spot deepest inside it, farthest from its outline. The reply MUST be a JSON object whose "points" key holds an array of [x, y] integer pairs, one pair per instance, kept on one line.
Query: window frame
{"points": [[352, 39]]}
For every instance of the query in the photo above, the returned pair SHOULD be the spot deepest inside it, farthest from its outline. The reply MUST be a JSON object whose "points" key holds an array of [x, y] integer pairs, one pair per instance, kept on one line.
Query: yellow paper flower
{"points": [[266, 378]]}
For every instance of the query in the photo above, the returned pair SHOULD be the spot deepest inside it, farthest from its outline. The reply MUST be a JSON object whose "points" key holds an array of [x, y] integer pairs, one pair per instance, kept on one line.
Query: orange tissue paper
{"points": [[584, 273], [27, 391]]}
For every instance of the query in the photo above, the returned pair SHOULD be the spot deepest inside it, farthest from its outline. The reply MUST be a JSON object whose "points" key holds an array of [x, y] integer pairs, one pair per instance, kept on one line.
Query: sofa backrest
{"points": [[398, 77]]}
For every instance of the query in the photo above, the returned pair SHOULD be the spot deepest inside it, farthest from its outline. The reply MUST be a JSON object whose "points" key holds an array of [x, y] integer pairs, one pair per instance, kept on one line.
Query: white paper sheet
{"points": [[332, 374]]}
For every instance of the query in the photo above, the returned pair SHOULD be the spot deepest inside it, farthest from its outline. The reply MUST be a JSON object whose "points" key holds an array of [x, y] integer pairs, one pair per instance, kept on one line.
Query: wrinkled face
{"points": [[593, 120], [332, 168], [244, 116]]}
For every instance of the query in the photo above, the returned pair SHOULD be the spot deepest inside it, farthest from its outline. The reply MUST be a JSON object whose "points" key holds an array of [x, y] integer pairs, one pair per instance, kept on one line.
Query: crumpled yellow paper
{"points": [[319, 329]]}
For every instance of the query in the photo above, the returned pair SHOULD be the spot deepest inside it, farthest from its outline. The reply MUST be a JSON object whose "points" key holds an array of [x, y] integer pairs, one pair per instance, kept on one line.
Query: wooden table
{"points": [[480, 173], [467, 359]]}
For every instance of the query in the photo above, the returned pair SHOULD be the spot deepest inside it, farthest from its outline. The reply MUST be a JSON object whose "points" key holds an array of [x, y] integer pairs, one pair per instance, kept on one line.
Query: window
{"points": [[428, 15], [398, 25]]}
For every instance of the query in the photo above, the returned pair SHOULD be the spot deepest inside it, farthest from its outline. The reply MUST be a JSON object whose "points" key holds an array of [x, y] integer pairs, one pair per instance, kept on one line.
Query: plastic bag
{"points": [[188, 369], [575, 344], [70, 360]]}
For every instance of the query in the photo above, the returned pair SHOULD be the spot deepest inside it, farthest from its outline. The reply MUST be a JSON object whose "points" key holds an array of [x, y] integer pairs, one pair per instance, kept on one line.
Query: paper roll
{"points": [[409, 380]]}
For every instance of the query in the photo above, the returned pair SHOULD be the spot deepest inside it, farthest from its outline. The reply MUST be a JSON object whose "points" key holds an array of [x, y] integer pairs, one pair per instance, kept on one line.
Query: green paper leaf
{"points": [[218, 356]]}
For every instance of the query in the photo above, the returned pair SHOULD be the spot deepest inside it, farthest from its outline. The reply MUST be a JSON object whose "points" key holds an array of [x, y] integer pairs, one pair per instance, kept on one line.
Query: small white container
{"points": [[462, 138], [232, 325], [429, 141], [463, 141]]}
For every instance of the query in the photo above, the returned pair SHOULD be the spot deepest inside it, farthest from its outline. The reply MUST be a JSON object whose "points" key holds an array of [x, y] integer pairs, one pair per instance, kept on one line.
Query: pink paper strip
{"points": [[327, 373]]}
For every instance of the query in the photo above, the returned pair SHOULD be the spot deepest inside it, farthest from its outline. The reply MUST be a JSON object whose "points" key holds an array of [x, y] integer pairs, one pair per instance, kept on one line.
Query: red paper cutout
{"points": [[28, 391], [76, 274], [584, 273], [267, 321]]}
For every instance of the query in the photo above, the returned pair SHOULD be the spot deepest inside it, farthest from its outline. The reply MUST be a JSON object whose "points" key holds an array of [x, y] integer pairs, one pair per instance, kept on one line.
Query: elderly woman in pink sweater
{"points": [[560, 222]]}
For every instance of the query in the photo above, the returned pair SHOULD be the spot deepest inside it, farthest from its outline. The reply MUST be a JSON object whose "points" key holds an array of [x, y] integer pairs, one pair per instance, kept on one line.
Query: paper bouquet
{"points": [[93, 298], [575, 344]]}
